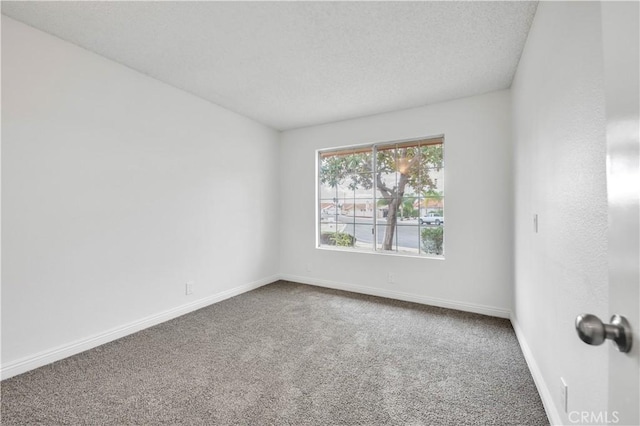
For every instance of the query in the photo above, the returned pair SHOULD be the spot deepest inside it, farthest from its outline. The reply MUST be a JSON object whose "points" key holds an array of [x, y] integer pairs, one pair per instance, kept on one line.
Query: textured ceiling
{"points": [[294, 64]]}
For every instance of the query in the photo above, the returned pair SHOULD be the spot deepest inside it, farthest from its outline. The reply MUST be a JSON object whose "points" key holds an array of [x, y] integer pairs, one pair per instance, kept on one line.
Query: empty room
{"points": [[320, 213]]}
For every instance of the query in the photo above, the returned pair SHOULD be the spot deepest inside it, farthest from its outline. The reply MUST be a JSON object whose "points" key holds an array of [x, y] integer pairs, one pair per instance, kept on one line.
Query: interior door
{"points": [[620, 30]]}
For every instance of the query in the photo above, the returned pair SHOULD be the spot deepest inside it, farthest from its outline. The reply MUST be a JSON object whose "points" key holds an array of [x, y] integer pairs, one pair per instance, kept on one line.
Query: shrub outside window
{"points": [[386, 197]]}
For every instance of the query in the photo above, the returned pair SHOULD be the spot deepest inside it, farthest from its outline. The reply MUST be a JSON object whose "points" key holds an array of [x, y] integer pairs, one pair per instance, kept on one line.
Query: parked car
{"points": [[431, 218]]}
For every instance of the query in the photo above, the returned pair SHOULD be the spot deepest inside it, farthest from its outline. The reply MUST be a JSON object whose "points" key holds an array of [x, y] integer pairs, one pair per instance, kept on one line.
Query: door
{"points": [[620, 32]]}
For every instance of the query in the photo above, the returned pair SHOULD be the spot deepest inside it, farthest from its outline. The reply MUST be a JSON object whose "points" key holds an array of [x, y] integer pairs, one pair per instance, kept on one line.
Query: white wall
{"points": [[560, 174], [477, 272], [117, 189]]}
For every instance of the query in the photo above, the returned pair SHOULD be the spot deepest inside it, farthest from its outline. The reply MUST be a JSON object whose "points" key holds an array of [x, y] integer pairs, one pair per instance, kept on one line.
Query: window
{"points": [[386, 197]]}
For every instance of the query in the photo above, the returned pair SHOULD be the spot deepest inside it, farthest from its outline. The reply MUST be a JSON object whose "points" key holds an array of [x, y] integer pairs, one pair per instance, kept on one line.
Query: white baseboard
{"points": [[547, 400], [55, 354], [407, 297]]}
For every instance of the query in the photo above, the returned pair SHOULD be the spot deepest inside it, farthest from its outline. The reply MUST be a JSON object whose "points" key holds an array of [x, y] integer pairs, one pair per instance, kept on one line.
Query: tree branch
{"points": [[384, 190], [402, 183]]}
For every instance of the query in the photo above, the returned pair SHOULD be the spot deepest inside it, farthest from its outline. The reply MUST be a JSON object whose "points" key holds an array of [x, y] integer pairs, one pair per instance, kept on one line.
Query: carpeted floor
{"points": [[291, 354]]}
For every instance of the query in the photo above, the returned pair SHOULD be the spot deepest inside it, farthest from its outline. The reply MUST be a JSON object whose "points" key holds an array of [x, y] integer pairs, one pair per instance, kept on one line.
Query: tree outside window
{"points": [[383, 197]]}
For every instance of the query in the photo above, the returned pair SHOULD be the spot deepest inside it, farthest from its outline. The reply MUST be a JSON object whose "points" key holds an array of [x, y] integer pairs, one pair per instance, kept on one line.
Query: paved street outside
{"points": [[407, 231]]}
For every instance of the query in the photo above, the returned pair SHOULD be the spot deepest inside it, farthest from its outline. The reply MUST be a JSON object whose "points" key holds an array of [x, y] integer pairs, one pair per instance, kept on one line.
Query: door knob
{"points": [[593, 332]]}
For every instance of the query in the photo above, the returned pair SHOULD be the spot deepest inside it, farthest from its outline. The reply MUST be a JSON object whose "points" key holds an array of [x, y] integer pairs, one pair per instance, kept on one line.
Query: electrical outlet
{"points": [[564, 395], [535, 223], [188, 288], [390, 278]]}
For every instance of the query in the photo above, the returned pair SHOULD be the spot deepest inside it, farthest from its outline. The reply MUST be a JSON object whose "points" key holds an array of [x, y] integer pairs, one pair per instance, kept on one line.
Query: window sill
{"points": [[381, 253]]}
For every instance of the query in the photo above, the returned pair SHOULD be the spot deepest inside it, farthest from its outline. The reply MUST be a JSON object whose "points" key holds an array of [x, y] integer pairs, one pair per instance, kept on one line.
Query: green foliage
{"points": [[408, 209], [432, 193], [353, 169], [432, 240], [341, 239], [356, 169]]}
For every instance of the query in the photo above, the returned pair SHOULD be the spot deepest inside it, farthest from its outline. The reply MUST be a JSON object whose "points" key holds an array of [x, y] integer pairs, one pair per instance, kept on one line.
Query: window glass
{"points": [[383, 197]]}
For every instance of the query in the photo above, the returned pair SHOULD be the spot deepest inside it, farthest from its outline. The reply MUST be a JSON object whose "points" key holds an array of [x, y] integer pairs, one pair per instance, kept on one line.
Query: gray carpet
{"points": [[291, 354]]}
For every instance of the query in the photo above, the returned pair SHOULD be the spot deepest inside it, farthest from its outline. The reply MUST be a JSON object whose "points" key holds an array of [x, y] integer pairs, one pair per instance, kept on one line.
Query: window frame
{"points": [[374, 148]]}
